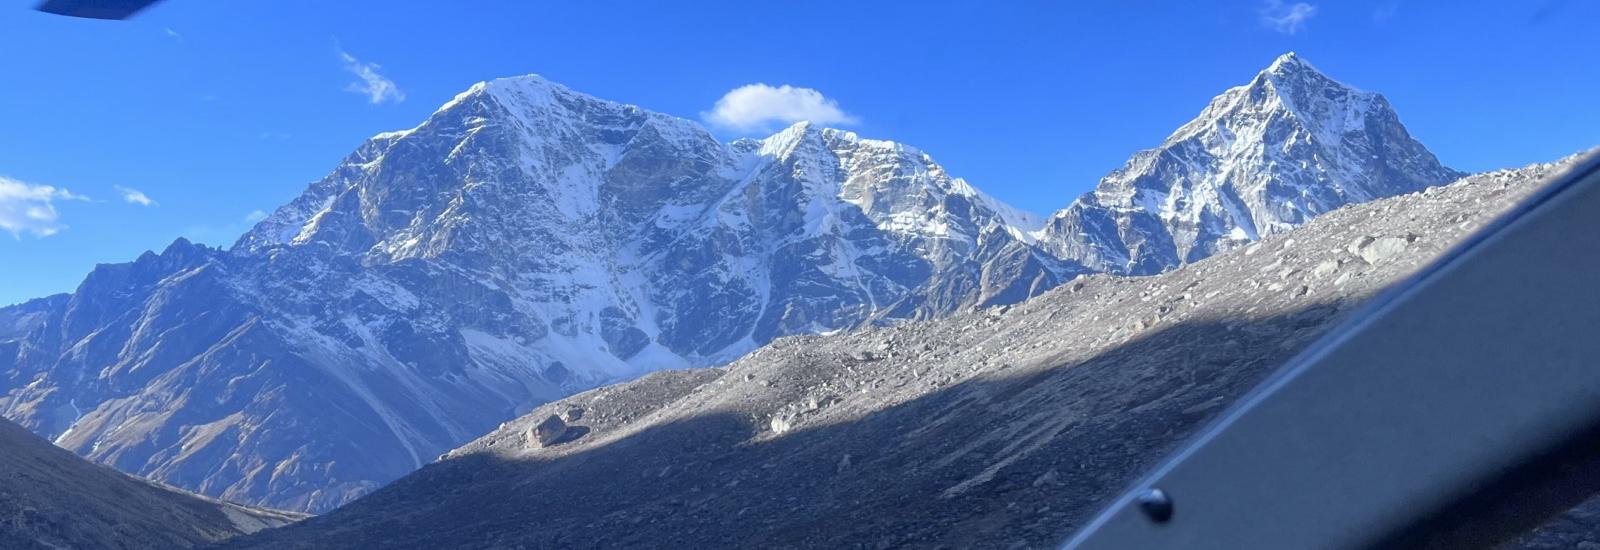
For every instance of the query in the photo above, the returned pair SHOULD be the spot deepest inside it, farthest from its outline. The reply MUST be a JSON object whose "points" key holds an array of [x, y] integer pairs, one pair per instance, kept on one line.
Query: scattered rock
{"points": [[1326, 268], [1355, 246], [819, 403], [1376, 249], [781, 424], [1048, 478]]}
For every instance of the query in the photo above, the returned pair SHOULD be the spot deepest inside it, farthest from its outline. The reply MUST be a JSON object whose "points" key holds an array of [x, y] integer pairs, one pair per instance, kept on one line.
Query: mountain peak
{"points": [[785, 141], [530, 78], [1261, 159], [1289, 62], [1292, 74], [523, 83], [527, 90]]}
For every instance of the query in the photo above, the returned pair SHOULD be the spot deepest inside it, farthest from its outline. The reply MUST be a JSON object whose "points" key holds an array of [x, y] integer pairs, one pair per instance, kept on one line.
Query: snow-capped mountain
{"points": [[1261, 159], [1000, 428], [525, 242]]}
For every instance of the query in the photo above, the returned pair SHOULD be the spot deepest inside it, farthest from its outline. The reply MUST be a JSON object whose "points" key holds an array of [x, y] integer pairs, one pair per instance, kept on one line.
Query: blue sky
{"points": [[217, 111]]}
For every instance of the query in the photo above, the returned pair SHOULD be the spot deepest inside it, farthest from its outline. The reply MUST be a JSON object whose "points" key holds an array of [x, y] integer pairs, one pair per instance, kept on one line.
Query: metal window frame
{"points": [[95, 9]]}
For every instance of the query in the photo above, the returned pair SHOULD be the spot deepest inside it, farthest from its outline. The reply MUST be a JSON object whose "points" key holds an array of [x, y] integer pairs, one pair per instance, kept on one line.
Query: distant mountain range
{"points": [[527, 242]]}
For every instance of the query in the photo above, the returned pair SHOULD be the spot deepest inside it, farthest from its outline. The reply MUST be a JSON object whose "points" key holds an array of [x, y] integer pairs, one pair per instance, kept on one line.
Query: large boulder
{"points": [[547, 432], [1376, 249]]}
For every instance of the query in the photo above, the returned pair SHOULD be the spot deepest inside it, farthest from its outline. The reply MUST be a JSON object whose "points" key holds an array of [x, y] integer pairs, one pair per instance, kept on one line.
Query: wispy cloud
{"points": [[172, 34], [1384, 12], [29, 208], [378, 88], [135, 196], [1286, 18], [757, 107], [255, 216]]}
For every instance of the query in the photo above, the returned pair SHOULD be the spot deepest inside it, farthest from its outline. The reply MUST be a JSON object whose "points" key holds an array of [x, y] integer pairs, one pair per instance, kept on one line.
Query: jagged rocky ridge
{"points": [[528, 241], [53, 499], [1004, 427]]}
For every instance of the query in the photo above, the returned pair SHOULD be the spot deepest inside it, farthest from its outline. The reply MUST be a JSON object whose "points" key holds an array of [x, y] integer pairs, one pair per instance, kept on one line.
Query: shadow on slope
{"points": [[1013, 458], [51, 498]]}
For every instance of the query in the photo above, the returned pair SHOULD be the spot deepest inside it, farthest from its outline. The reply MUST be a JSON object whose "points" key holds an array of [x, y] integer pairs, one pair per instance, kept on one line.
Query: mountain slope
{"points": [[528, 241], [1261, 159], [999, 428], [50, 498], [525, 242]]}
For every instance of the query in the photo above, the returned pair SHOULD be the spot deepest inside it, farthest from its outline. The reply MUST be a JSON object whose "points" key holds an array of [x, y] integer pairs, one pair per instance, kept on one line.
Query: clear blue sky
{"points": [[216, 109]]}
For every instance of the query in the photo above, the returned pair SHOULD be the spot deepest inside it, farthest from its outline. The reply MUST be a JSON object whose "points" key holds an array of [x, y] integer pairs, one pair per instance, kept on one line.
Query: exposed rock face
{"points": [[51, 498], [1261, 159], [996, 428], [528, 241]]}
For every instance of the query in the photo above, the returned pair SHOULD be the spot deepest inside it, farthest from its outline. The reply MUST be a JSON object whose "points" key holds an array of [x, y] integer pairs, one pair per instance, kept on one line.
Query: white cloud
{"points": [[375, 86], [757, 107], [135, 196], [1286, 18], [255, 216], [172, 34], [28, 208]]}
